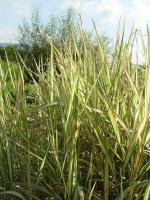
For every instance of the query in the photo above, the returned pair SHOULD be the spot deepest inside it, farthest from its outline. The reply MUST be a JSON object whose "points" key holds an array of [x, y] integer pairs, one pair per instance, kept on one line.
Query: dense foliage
{"points": [[8, 53], [80, 134], [35, 37]]}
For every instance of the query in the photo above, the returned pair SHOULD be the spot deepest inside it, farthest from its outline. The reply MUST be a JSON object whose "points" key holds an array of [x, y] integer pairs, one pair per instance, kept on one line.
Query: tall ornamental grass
{"points": [[82, 133]]}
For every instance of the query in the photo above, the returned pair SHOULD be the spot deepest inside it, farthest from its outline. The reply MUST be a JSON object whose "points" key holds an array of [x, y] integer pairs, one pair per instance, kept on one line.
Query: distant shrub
{"points": [[35, 39], [8, 52]]}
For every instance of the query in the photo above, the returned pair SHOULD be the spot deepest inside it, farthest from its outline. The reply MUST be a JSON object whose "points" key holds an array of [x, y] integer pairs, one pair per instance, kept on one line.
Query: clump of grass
{"points": [[86, 134]]}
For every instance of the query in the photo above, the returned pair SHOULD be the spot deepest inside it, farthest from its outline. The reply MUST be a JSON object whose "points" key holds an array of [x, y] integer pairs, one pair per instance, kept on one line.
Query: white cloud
{"points": [[20, 7], [107, 9], [107, 13], [139, 12], [110, 11], [8, 34]]}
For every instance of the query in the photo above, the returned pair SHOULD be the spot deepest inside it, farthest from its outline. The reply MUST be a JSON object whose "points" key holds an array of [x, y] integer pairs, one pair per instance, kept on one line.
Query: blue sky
{"points": [[106, 14]]}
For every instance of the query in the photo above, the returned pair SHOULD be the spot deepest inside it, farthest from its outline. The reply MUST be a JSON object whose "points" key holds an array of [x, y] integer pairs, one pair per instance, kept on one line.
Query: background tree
{"points": [[33, 37]]}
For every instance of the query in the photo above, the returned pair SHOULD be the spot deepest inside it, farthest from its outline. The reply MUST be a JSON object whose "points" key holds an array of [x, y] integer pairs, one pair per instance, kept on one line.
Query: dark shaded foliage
{"points": [[8, 52]]}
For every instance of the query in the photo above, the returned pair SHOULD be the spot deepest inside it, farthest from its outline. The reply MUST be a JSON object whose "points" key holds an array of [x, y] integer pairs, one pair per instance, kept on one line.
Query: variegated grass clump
{"points": [[86, 133]]}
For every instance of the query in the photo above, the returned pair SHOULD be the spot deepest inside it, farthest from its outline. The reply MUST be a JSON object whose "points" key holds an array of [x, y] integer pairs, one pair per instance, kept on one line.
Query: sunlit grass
{"points": [[85, 133]]}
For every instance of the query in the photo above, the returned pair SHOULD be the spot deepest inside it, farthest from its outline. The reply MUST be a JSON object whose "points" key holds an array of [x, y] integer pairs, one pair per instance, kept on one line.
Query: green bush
{"points": [[35, 40], [8, 53]]}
